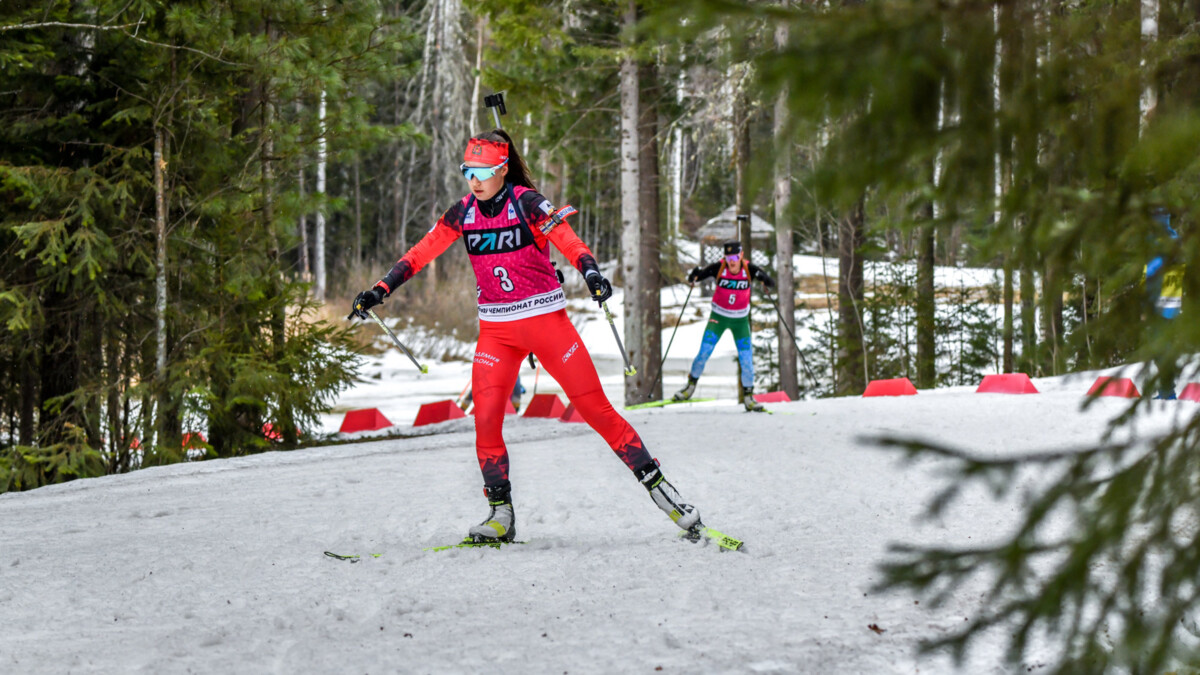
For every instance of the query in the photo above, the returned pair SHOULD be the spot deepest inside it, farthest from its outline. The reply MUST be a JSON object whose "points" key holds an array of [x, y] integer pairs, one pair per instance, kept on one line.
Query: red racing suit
{"points": [[522, 309]]}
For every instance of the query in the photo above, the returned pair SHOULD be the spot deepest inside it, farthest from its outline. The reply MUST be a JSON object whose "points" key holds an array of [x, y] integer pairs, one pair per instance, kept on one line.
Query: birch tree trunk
{"points": [[1149, 30], [319, 229], [783, 237], [631, 231], [160, 284]]}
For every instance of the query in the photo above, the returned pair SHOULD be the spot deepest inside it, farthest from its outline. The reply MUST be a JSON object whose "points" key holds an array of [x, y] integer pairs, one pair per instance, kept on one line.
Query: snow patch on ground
{"points": [[218, 566]]}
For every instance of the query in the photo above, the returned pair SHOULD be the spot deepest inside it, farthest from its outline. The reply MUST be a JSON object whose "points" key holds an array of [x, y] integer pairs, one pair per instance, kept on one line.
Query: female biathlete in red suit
{"points": [[507, 229]]}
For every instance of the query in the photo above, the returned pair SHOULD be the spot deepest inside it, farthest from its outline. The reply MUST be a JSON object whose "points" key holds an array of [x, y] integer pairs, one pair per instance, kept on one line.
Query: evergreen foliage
{"points": [[219, 86], [1047, 164]]}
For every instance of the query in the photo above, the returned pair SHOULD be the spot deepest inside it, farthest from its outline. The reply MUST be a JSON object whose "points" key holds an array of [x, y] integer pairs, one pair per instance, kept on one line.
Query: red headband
{"points": [[488, 152]]}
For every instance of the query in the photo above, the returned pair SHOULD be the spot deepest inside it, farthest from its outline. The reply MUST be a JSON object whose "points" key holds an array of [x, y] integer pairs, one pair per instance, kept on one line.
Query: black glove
{"points": [[366, 300], [598, 287], [765, 278], [693, 275]]}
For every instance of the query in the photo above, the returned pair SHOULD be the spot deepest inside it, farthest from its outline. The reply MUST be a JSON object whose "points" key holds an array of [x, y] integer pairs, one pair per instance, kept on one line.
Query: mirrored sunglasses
{"points": [[733, 258], [480, 172]]}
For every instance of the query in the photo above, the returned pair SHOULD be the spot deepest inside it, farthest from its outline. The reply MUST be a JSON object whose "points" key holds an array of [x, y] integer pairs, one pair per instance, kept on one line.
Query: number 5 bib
{"points": [[732, 295]]}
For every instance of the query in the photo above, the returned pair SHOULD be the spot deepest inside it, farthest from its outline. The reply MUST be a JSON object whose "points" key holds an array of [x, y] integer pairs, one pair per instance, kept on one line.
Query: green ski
{"points": [[726, 542], [352, 558], [467, 543], [664, 402]]}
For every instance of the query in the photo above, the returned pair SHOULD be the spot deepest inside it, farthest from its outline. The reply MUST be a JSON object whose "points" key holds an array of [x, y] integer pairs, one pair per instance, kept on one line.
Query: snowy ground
{"points": [[217, 566]]}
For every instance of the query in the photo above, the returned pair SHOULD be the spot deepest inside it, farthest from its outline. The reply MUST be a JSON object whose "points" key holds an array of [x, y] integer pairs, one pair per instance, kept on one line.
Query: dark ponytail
{"points": [[518, 172]]}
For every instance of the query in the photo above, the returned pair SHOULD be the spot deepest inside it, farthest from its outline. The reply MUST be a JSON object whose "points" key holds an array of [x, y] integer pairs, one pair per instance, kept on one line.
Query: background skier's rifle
{"points": [[496, 103]]}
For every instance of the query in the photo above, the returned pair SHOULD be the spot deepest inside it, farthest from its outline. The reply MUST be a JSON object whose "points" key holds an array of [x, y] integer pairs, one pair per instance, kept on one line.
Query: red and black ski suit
{"points": [[522, 309]]}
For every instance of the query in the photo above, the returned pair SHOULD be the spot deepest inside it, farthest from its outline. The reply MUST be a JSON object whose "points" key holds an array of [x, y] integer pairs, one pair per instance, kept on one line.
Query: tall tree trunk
{"points": [[319, 288], [1052, 317], [1008, 317], [160, 289], [357, 217], [1149, 28], [60, 367], [788, 380], [647, 350], [851, 362], [28, 367], [1029, 348], [926, 303], [631, 211], [741, 149]]}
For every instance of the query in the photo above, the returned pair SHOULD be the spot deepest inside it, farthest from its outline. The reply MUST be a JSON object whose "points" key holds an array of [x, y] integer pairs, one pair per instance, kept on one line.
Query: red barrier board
{"points": [[1007, 383], [571, 415], [1121, 387], [900, 386], [544, 405], [438, 411]]}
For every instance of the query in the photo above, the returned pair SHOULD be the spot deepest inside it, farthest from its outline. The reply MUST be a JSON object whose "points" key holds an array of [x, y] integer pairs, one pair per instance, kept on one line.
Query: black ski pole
{"points": [[691, 287], [409, 354], [799, 351]]}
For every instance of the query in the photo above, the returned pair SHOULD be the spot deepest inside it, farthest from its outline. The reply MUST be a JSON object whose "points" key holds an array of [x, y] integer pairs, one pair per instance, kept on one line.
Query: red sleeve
{"points": [[434, 243], [447, 230], [565, 240]]}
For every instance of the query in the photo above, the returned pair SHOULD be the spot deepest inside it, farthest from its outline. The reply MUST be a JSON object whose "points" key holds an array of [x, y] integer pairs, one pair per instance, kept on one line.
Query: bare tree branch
{"points": [[60, 24]]}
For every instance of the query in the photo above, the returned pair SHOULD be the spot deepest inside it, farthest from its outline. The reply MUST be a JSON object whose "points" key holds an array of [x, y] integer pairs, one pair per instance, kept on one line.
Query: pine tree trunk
{"points": [[647, 350], [851, 362], [786, 285], [926, 304], [357, 218], [305, 264], [1029, 348], [1008, 317], [28, 402]]}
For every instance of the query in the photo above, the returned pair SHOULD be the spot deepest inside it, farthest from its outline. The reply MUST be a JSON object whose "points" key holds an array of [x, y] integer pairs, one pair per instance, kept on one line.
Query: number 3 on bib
{"points": [[505, 282]]}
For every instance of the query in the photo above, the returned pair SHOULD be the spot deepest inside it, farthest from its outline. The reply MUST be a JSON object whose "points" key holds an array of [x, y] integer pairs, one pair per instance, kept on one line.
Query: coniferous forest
{"points": [[193, 191]]}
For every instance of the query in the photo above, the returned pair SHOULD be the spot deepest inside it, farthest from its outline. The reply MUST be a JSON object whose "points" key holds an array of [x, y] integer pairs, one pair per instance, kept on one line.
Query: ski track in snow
{"points": [[218, 566]]}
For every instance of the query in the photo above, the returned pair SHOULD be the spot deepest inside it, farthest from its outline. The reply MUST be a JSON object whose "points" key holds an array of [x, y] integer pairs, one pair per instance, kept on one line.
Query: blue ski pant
{"points": [[717, 325]]}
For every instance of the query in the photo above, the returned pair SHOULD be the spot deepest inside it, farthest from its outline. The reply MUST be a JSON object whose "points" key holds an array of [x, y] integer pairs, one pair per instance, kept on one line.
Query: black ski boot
{"points": [[667, 497], [501, 521]]}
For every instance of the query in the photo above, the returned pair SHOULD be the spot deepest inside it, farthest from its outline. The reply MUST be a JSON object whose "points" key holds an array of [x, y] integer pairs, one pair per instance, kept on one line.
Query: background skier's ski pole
{"points": [[653, 382], [629, 369], [371, 313], [799, 351]]}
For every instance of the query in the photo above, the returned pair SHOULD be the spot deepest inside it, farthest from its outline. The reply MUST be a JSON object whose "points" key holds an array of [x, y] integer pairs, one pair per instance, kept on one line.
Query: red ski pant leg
{"points": [[556, 343], [497, 360]]}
